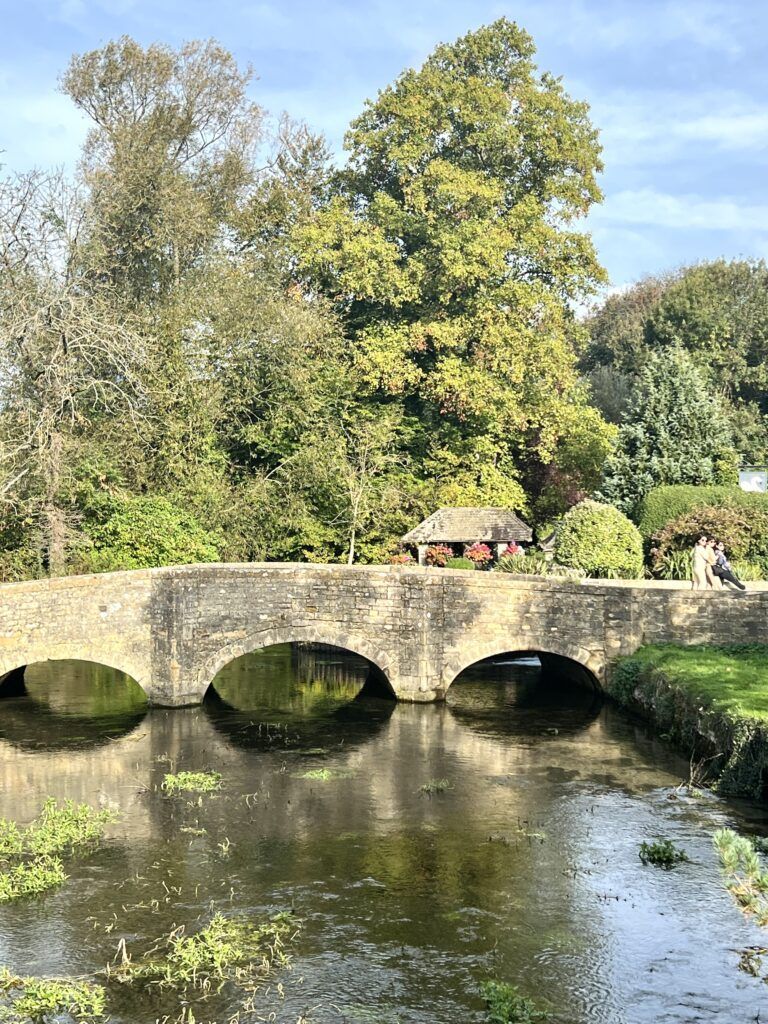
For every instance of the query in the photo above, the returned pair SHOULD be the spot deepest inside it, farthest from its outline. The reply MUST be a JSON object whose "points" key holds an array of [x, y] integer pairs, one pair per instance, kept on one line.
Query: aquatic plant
{"points": [[56, 829], [31, 877], [506, 1006], [746, 878], [39, 1000], [324, 774], [66, 828], [29, 852], [191, 782], [435, 786], [662, 854], [227, 949]]}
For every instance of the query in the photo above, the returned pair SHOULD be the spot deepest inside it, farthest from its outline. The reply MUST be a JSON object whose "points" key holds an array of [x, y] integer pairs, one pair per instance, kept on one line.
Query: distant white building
{"points": [[754, 478]]}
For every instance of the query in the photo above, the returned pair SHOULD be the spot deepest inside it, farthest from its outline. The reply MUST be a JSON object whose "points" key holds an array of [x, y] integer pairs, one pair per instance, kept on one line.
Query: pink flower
{"points": [[480, 554]]}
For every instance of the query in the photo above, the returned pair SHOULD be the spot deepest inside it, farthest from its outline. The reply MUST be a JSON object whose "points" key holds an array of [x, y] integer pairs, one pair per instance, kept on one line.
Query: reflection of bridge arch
{"points": [[31, 721], [317, 634], [567, 659], [12, 670]]}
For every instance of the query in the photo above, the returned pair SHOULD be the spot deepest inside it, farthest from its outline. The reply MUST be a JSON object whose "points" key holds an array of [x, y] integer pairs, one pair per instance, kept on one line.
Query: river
{"points": [[520, 864]]}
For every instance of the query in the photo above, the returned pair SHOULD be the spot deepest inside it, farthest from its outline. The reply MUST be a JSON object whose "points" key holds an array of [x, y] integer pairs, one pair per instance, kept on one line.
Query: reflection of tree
{"points": [[293, 695], [71, 704]]}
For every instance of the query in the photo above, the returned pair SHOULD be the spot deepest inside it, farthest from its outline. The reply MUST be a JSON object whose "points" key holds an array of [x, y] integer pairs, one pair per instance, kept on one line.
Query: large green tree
{"points": [[675, 432], [450, 250], [718, 312]]}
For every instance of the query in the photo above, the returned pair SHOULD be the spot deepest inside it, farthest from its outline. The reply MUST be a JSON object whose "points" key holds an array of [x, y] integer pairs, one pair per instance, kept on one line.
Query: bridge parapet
{"points": [[173, 629]]}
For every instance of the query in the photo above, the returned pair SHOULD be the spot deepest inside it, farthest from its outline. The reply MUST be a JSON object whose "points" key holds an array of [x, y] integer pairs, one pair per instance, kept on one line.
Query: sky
{"points": [[679, 91]]}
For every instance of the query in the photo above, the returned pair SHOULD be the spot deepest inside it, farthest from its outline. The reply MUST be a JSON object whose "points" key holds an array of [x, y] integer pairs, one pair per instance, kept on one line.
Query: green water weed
{"points": [[746, 878], [31, 878], [40, 1000], [65, 828], [662, 854], [324, 774], [191, 782], [435, 786], [228, 949], [505, 1004]]}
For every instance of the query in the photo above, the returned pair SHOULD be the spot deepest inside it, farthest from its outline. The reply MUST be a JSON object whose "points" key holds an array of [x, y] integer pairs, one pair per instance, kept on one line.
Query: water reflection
{"points": [[295, 695], [71, 704], [525, 868], [515, 696]]}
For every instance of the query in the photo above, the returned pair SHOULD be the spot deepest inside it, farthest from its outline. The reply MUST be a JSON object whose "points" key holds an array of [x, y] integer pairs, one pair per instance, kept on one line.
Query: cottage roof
{"points": [[462, 525]]}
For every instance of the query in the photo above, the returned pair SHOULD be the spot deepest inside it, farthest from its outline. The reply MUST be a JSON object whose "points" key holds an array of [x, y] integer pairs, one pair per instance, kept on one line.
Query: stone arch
{"points": [[10, 665], [316, 633], [588, 660]]}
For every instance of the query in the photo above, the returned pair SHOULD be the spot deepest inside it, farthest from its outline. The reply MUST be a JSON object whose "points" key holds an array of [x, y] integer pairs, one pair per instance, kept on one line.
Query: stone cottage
{"points": [[496, 527]]}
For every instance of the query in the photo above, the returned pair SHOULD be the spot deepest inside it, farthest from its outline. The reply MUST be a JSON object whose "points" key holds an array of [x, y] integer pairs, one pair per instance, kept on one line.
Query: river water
{"points": [[523, 866]]}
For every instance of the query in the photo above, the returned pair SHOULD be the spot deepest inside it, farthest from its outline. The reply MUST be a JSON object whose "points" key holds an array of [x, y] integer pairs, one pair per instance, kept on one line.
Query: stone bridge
{"points": [[173, 629]]}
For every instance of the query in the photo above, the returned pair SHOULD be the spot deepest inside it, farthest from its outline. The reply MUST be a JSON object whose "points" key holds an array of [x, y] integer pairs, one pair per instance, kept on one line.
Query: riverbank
{"points": [[711, 702]]}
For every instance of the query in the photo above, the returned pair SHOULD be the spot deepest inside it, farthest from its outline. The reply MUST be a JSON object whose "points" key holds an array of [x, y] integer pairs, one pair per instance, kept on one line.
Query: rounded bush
{"points": [[459, 563], [601, 541]]}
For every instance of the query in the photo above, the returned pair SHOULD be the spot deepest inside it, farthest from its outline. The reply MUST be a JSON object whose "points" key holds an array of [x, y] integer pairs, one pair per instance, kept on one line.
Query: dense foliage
{"points": [[601, 541], [214, 345], [673, 518], [718, 313], [675, 432]]}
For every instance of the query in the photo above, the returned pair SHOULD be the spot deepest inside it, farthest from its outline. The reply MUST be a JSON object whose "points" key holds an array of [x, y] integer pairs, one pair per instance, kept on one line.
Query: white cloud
{"points": [[686, 212], [655, 127]]}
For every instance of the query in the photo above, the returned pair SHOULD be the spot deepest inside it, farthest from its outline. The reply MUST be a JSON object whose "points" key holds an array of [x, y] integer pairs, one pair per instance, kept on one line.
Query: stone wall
{"points": [[172, 629]]}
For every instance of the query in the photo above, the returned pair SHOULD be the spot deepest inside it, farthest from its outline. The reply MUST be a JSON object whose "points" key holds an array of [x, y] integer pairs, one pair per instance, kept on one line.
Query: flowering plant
{"points": [[438, 554], [401, 558], [514, 548], [480, 554]]}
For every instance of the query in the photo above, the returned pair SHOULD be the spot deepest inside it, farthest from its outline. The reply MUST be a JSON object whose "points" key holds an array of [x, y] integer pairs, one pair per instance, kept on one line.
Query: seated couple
{"points": [[711, 567]]}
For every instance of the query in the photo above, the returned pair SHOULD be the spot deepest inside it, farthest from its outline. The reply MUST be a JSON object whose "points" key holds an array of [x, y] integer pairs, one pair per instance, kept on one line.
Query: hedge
{"points": [[672, 501]]}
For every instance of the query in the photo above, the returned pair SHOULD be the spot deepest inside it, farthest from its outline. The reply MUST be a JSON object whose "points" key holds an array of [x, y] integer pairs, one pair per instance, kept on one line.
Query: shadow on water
{"points": [[299, 696], [71, 705], [515, 695]]}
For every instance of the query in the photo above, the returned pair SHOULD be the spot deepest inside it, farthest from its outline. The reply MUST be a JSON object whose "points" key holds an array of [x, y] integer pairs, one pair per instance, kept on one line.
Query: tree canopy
{"points": [[212, 328]]}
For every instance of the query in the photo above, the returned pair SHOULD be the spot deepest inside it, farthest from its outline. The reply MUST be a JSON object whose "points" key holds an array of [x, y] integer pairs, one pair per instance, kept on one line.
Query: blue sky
{"points": [[678, 89]]}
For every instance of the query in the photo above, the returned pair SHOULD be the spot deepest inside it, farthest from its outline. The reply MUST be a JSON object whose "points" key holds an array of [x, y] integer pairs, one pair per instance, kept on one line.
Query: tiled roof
{"points": [[461, 525]]}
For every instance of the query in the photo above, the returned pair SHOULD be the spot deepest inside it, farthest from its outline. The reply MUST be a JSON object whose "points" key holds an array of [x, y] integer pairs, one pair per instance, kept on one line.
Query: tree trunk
{"points": [[54, 525], [351, 555]]}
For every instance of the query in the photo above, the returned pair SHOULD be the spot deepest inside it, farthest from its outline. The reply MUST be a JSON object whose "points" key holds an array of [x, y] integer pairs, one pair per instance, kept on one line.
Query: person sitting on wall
{"points": [[699, 566], [722, 568], [714, 582]]}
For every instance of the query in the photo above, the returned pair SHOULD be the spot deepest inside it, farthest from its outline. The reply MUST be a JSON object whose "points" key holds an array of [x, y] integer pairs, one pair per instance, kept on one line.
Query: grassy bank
{"points": [[712, 702]]}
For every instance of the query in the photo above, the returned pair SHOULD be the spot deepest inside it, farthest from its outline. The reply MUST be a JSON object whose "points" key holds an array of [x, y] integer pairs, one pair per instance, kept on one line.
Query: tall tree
{"points": [[67, 353], [676, 432], [168, 157], [718, 312], [449, 249]]}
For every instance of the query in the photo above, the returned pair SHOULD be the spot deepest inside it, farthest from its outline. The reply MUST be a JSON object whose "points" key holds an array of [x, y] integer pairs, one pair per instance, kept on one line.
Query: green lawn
{"points": [[726, 679]]}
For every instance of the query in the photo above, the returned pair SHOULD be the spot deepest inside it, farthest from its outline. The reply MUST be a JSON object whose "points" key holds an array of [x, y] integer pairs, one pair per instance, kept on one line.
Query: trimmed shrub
{"points": [[729, 525], [601, 541], [145, 532], [663, 504], [459, 563]]}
